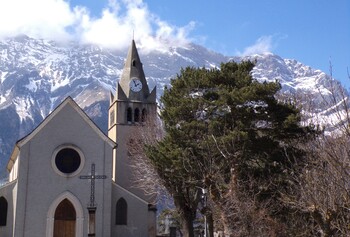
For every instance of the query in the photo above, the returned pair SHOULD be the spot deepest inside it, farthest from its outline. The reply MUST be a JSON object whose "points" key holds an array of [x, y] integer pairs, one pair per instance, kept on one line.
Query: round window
{"points": [[68, 160]]}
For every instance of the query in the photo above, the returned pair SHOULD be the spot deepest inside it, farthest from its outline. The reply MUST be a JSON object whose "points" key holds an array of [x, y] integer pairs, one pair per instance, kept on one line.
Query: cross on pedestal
{"points": [[92, 204]]}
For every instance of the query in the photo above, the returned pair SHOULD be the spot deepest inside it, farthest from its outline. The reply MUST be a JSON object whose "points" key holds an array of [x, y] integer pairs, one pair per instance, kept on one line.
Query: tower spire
{"points": [[132, 84]]}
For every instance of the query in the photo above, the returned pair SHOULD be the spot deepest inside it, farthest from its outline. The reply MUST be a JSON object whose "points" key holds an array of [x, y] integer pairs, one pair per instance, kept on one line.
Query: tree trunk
{"points": [[187, 225], [187, 216], [210, 224]]}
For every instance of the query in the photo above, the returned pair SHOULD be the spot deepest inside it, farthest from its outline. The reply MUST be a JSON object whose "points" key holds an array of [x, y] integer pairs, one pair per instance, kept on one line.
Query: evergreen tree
{"points": [[227, 133]]}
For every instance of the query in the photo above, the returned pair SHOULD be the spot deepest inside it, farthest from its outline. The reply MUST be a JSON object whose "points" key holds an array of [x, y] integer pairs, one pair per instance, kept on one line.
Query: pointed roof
{"points": [[133, 55], [67, 102], [133, 68]]}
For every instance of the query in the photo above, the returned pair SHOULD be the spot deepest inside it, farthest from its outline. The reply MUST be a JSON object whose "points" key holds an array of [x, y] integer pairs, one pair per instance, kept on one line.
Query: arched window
{"points": [[144, 115], [3, 211], [129, 115], [121, 212], [134, 63], [137, 115]]}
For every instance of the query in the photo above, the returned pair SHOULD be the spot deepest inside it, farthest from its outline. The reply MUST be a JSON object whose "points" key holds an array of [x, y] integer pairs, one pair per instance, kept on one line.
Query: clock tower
{"points": [[128, 109]]}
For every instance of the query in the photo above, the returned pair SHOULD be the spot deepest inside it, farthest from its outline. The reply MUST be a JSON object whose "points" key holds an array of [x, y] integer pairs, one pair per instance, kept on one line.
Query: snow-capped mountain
{"points": [[322, 98], [36, 75]]}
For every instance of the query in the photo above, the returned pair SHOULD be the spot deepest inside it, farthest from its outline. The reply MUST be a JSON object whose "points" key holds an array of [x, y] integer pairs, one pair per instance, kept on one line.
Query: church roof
{"points": [[133, 69], [67, 102], [130, 193]]}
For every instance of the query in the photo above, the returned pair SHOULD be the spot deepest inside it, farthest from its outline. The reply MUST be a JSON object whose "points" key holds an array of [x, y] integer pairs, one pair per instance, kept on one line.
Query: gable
{"points": [[67, 115]]}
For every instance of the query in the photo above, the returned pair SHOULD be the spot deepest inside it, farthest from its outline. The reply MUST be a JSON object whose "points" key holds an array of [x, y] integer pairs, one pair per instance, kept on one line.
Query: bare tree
{"points": [[324, 185], [145, 177]]}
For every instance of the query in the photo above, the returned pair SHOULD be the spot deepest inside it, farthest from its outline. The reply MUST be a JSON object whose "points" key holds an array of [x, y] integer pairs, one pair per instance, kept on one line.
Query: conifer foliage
{"points": [[228, 134]]}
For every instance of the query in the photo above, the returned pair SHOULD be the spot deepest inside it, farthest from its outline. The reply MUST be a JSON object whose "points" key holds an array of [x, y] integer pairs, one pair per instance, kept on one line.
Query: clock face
{"points": [[135, 84]]}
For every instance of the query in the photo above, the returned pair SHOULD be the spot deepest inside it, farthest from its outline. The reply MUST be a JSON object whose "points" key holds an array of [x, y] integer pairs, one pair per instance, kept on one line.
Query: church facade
{"points": [[67, 178]]}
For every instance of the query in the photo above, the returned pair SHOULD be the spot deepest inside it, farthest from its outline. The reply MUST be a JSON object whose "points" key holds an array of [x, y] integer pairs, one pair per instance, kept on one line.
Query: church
{"points": [[68, 179]]}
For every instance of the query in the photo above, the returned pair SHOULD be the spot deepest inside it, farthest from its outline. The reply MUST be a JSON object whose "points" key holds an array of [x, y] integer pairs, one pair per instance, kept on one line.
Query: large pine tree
{"points": [[227, 133]]}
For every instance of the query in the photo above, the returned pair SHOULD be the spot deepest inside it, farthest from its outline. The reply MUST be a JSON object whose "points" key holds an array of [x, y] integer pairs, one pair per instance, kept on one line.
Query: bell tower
{"points": [[128, 109]]}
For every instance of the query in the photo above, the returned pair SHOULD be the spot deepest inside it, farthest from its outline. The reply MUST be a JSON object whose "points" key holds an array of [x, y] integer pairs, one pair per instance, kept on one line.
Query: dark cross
{"points": [[92, 206], [93, 177]]}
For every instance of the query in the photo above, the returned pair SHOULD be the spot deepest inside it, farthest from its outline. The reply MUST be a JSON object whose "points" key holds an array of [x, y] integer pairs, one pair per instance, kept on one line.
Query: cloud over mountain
{"points": [[119, 21], [264, 44]]}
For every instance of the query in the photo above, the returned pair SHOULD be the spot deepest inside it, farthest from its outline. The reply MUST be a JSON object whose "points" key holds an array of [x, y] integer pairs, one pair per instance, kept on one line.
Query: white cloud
{"points": [[56, 19], [37, 18], [263, 45]]}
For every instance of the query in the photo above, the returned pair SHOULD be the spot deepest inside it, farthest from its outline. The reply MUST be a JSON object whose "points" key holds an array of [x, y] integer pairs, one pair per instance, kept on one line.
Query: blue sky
{"points": [[314, 32]]}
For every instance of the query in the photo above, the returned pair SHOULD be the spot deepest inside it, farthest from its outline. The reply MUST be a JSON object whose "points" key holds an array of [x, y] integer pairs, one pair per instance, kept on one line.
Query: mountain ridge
{"points": [[36, 75]]}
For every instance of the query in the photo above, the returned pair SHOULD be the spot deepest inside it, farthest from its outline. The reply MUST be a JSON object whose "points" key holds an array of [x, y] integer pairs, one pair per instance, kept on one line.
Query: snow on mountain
{"points": [[321, 97], [36, 75], [293, 75]]}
